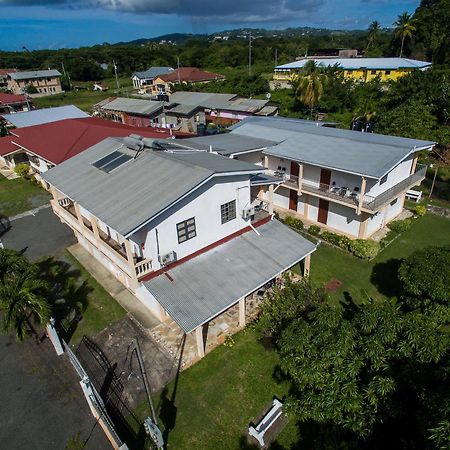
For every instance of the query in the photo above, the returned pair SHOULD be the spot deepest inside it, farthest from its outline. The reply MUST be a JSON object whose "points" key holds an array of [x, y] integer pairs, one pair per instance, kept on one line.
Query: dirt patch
{"points": [[333, 285]]}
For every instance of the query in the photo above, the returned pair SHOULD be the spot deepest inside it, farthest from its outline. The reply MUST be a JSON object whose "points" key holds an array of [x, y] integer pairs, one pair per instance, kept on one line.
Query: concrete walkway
{"points": [[30, 212], [8, 173], [116, 289]]}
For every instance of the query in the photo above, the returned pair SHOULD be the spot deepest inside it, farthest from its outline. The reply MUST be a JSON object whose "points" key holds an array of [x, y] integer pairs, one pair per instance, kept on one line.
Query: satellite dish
{"points": [[268, 95]]}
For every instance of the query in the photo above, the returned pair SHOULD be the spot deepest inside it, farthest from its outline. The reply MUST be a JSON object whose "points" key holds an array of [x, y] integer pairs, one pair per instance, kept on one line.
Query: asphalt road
{"points": [[42, 405], [40, 235]]}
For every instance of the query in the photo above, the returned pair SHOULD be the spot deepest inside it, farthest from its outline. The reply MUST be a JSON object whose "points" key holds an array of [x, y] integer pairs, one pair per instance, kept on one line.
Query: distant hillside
{"points": [[241, 33]]}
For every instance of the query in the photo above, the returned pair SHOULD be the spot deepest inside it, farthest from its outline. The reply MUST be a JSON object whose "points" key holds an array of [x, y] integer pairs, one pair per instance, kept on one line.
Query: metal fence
{"points": [[95, 401]]}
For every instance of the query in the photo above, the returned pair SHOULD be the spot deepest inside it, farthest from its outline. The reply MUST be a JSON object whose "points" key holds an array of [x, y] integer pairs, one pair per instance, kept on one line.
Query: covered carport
{"points": [[202, 288]]}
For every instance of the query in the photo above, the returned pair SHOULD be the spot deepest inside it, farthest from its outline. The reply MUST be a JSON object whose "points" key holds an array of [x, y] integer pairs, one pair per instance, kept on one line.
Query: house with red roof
{"points": [[186, 75], [12, 103], [47, 145]]}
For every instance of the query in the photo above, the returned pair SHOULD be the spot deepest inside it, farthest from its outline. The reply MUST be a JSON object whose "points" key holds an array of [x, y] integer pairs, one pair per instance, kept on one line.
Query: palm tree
{"points": [[22, 298], [11, 263], [372, 33], [310, 84], [404, 27]]}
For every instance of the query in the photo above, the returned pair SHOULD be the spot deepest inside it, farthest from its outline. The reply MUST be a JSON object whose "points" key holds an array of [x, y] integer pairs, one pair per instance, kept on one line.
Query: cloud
{"points": [[239, 11]]}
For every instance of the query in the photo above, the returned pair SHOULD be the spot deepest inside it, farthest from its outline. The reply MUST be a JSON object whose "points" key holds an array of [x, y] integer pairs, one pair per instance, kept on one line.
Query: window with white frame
{"points": [[186, 230], [228, 211]]}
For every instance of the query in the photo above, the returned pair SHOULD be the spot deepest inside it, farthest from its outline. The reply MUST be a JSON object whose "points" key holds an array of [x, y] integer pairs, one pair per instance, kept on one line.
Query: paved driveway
{"points": [[38, 235], [42, 405]]}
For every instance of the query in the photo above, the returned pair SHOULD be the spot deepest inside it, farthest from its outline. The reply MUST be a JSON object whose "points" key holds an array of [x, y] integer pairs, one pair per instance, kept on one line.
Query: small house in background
{"points": [[4, 77], [162, 84], [11, 103], [132, 111], [143, 79], [41, 82], [99, 86]]}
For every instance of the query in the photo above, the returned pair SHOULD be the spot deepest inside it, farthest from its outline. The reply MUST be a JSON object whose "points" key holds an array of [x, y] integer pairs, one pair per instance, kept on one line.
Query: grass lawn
{"points": [[216, 399], [358, 276], [20, 195], [85, 99], [101, 309]]}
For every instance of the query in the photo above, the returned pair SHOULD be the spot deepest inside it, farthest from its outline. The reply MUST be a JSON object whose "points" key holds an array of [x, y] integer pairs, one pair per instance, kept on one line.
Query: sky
{"points": [[73, 23]]}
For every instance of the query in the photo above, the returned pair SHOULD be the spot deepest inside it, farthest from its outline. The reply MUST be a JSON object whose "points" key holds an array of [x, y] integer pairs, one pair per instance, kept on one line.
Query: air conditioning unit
{"points": [[168, 258], [248, 212]]}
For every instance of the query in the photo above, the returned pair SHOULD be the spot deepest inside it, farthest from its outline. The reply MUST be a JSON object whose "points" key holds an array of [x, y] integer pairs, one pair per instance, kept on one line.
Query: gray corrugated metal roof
{"points": [[127, 197], [210, 283], [227, 143], [152, 72], [229, 102], [359, 63], [183, 109], [46, 115], [133, 105], [366, 154], [32, 74]]}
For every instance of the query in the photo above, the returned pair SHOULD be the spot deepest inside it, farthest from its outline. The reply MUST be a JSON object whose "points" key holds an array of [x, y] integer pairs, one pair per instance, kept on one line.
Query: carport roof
{"points": [[201, 288]]}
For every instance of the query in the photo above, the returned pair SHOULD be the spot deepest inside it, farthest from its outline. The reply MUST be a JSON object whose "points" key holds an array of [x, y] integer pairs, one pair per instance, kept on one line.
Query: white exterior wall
{"points": [[41, 167], [251, 157], [394, 177], [204, 205], [343, 219], [149, 301], [374, 223], [394, 209]]}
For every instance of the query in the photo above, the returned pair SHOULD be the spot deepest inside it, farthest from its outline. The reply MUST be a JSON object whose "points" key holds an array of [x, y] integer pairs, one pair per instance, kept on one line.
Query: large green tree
{"points": [[373, 33]]}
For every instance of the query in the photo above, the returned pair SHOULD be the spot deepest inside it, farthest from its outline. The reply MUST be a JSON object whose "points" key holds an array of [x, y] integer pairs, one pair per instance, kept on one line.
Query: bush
{"points": [[294, 222], [314, 230], [336, 239], [399, 226], [22, 170], [420, 210], [364, 249]]}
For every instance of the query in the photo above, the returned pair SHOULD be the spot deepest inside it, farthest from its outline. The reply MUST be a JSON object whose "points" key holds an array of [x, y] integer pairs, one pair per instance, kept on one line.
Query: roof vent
{"points": [[133, 143]]}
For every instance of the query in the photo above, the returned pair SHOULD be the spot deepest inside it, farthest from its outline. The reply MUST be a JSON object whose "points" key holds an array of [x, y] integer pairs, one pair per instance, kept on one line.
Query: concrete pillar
{"points": [[79, 216], [266, 161], [361, 196], [94, 223], [413, 165], [363, 226], [271, 199], [306, 206], [200, 342], [242, 312], [306, 266], [300, 178]]}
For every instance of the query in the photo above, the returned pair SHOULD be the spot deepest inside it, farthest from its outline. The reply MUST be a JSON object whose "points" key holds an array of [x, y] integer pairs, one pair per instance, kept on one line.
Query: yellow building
{"points": [[358, 69]]}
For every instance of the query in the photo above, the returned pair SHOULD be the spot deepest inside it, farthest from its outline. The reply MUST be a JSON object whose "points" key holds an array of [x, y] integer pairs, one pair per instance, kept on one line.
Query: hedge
{"points": [[364, 249], [22, 170], [294, 222], [399, 226], [314, 230]]}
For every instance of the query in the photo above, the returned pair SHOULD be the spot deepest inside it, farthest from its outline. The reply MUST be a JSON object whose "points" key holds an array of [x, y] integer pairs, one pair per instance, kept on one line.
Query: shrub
{"points": [[364, 249], [22, 170], [294, 222], [336, 239], [314, 230], [399, 226], [420, 210]]}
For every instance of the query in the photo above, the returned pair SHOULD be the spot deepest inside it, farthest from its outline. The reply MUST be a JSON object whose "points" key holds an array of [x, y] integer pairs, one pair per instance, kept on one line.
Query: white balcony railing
{"points": [[343, 194]]}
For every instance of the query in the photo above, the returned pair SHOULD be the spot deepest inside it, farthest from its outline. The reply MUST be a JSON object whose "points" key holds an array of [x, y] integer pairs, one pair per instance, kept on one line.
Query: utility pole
{"points": [[117, 78], [67, 76], [250, 54], [434, 180]]}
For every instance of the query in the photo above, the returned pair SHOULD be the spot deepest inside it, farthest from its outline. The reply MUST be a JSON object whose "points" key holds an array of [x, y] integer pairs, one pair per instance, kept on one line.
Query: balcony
{"points": [[111, 249], [261, 210], [346, 196]]}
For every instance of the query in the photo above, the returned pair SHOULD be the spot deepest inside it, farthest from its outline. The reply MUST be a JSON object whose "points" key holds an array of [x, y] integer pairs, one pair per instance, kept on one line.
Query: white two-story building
{"points": [[179, 229], [345, 181]]}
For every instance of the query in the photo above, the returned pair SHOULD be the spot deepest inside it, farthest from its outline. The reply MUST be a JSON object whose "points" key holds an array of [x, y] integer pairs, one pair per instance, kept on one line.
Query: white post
{"points": [[242, 312], [307, 266], [361, 196], [200, 343], [271, 199]]}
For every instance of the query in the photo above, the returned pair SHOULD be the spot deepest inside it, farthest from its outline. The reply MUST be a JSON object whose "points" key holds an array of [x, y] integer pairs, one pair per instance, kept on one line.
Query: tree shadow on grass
{"points": [[385, 277], [68, 295]]}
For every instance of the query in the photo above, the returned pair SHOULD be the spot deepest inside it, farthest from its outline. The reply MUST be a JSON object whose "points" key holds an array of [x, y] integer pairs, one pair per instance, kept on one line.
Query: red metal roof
{"points": [[6, 71], [8, 99], [58, 141], [190, 74]]}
